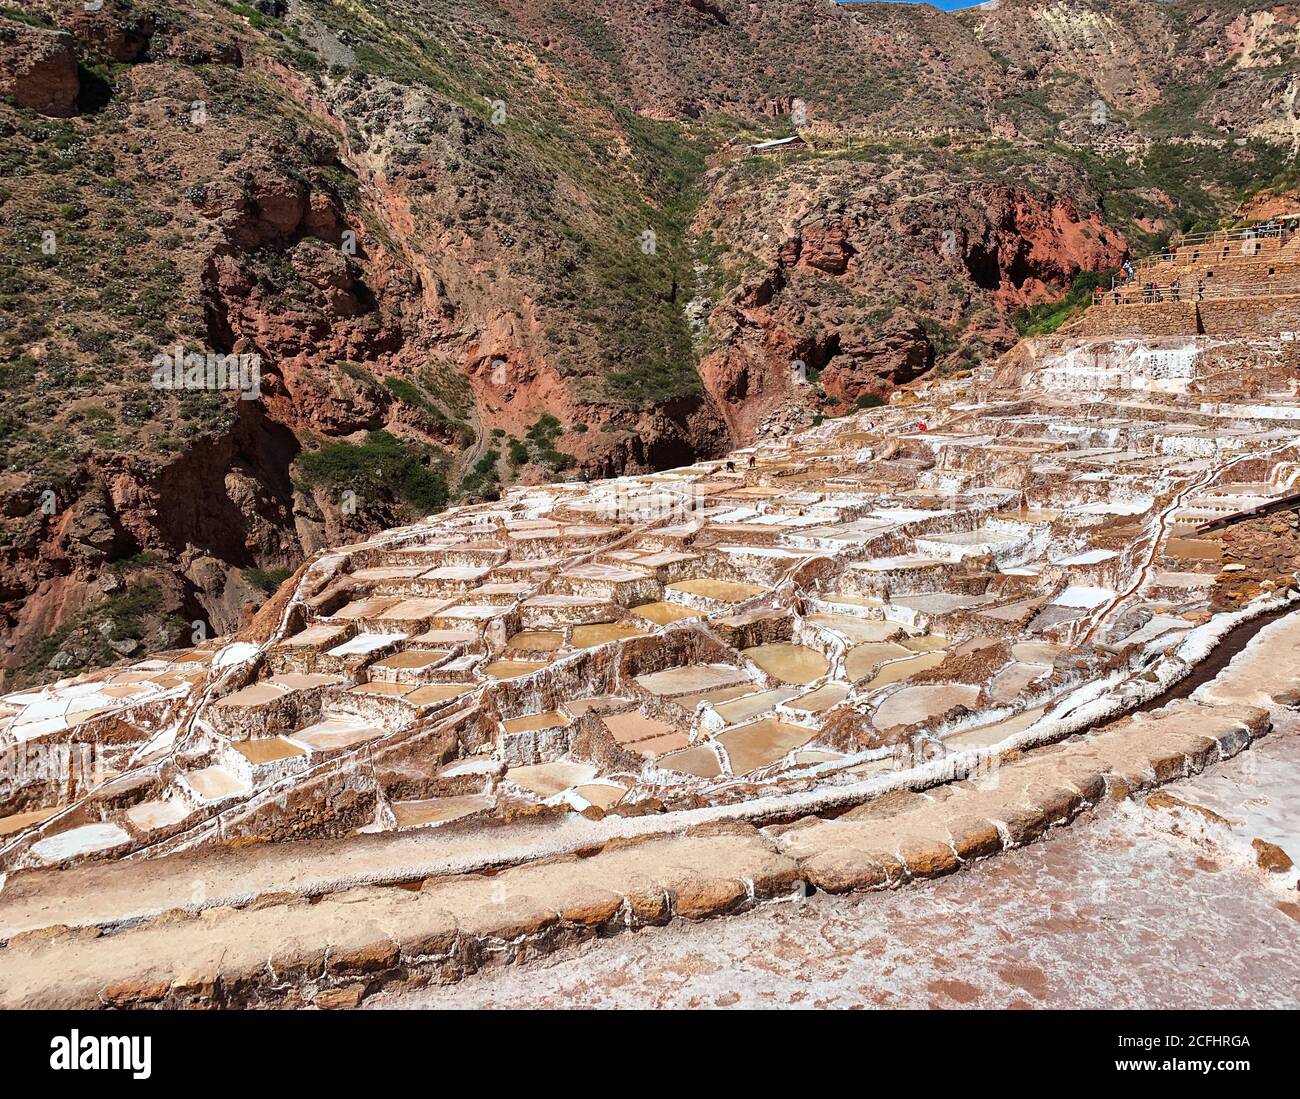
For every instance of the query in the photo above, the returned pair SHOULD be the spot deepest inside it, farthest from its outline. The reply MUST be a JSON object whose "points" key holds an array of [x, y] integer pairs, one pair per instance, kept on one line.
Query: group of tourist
{"points": [[1150, 292], [1123, 288]]}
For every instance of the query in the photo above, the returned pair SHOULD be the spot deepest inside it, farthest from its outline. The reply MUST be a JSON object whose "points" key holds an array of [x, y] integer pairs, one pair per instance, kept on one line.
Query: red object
{"points": [[922, 427]]}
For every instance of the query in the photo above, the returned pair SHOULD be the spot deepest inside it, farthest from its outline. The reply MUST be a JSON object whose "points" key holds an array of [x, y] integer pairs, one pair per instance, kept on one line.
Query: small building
{"points": [[778, 145]]}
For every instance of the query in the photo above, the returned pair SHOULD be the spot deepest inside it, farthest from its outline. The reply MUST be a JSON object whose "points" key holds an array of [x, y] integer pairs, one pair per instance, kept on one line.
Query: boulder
{"points": [[1270, 857], [38, 67]]}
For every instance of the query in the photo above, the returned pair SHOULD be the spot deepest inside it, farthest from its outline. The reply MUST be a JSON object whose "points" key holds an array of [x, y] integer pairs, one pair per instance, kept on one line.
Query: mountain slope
{"points": [[483, 241]]}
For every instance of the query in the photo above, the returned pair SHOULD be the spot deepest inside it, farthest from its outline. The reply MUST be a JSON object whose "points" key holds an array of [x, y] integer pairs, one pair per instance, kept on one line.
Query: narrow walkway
{"points": [[1123, 910]]}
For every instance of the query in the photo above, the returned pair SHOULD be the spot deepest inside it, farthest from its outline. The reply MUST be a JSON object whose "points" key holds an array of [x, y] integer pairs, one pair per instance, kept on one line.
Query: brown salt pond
{"points": [[215, 782], [445, 638], [269, 749], [412, 660], [789, 663], [748, 706], [382, 688], [986, 736], [912, 705], [722, 694], [535, 722], [864, 659], [857, 630], [603, 795], [414, 814], [924, 643], [634, 726], [512, 669], [436, 692], [536, 640], [1014, 678], [762, 743], [602, 633], [1036, 652], [660, 745], [823, 698], [549, 779], [334, 734], [693, 677], [21, 821], [723, 591], [898, 670], [701, 761], [1194, 549], [664, 614]]}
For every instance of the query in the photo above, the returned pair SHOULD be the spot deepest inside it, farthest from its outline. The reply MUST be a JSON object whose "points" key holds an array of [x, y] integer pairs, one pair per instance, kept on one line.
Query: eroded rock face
{"points": [[1270, 857], [878, 281], [38, 67], [900, 353], [820, 245]]}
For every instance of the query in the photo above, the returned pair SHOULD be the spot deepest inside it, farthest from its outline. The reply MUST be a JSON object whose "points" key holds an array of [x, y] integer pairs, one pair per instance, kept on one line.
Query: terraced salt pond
{"points": [[857, 630], [762, 743], [721, 591], [512, 669], [602, 633], [701, 761], [897, 671], [915, 704], [415, 814], [864, 659], [823, 698], [789, 663], [697, 677], [742, 709], [536, 640]]}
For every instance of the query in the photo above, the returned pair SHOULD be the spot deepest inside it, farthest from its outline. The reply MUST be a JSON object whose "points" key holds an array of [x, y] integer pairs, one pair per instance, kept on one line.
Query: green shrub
{"points": [[267, 580], [383, 465], [483, 480], [1048, 316]]}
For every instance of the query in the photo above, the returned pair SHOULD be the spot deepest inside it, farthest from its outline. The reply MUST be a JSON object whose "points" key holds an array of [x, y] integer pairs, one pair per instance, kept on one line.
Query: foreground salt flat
{"points": [[353, 942], [1140, 909]]}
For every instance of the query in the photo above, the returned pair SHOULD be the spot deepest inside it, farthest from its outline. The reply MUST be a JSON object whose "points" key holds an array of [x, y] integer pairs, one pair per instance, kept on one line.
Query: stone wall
{"points": [[1156, 319], [1250, 316], [1253, 317]]}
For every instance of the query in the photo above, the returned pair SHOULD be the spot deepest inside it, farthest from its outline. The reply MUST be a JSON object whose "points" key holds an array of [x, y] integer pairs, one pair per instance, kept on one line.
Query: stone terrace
{"points": [[800, 662], [860, 604]]}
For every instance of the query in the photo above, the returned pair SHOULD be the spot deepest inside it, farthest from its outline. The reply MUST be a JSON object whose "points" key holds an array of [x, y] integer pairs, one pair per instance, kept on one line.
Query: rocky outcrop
{"points": [[899, 353], [862, 286], [38, 67], [818, 246]]}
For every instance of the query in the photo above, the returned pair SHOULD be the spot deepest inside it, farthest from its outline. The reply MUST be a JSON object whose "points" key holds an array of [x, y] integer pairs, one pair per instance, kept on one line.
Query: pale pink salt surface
{"points": [[1111, 912]]}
